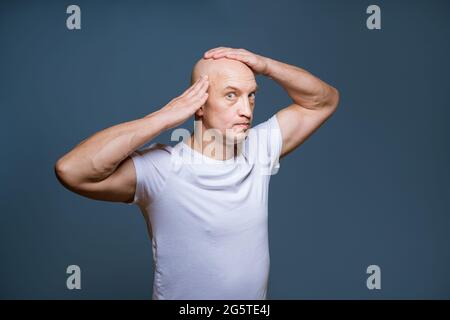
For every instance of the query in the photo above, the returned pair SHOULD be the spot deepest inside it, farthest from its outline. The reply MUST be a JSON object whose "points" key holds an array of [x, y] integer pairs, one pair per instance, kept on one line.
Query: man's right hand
{"points": [[183, 107], [101, 168]]}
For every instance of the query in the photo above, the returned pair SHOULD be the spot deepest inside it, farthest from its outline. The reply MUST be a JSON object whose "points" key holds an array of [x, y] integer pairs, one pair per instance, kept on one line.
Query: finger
{"points": [[239, 56], [210, 51], [223, 53], [203, 99], [195, 85], [200, 88], [199, 102], [219, 53], [236, 54], [203, 89], [240, 51], [231, 54], [194, 95], [191, 87], [216, 50]]}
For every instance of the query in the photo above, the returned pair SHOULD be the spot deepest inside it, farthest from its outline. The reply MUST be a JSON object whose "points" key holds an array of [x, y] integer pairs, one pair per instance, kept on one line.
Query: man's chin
{"points": [[237, 137]]}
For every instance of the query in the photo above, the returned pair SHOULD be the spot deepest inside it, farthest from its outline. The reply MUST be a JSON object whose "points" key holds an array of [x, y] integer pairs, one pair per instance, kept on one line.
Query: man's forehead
{"points": [[241, 86], [237, 81]]}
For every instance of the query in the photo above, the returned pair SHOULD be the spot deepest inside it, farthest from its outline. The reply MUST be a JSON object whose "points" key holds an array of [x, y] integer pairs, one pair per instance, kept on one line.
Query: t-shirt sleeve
{"points": [[268, 141], [152, 166]]}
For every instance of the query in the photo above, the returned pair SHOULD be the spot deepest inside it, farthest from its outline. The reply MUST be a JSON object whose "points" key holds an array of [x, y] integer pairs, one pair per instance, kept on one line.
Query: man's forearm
{"points": [[95, 158], [305, 89]]}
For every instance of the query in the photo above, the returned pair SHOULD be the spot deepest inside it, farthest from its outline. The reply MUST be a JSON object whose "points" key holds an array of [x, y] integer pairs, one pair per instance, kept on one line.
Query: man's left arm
{"points": [[314, 101]]}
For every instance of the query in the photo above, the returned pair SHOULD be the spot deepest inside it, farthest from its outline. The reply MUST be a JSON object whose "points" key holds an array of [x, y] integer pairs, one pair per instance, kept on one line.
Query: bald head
{"points": [[221, 70]]}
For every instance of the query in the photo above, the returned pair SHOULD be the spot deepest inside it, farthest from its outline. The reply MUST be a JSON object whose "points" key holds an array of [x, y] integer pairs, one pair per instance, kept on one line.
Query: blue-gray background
{"points": [[370, 187]]}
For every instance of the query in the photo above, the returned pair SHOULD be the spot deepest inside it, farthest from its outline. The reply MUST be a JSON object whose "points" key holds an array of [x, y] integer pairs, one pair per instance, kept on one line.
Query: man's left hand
{"points": [[256, 62]]}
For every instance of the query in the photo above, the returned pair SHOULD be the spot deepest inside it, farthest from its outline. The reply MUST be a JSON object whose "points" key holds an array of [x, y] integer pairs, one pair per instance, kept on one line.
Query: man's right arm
{"points": [[100, 167]]}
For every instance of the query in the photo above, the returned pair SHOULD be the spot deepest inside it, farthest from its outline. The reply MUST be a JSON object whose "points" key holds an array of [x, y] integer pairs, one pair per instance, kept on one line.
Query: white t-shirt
{"points": [[207, 218]]}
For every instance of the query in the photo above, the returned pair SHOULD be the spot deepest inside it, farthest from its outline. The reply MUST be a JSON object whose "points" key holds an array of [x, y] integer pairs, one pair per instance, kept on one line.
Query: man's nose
{"points": [[245, 108]]}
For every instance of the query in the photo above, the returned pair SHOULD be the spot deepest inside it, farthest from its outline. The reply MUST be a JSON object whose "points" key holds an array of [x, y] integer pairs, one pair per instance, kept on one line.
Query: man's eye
{"points": [[230, 95], [252, 95]]}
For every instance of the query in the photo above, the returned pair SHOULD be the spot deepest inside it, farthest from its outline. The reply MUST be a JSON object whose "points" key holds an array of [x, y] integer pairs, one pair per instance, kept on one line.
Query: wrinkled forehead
{"points": [[240, 79]]}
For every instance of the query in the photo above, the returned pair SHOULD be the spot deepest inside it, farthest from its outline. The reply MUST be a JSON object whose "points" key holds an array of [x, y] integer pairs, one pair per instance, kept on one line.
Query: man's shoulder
{"points": [[270, 123], [155, 152], [158, 148], [264, 144], [260, 133]]}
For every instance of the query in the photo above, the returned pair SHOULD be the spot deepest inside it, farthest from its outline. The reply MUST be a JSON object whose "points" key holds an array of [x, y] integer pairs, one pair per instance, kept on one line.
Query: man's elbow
{"points": [[333, 99], [327, 101], [64, 173]]}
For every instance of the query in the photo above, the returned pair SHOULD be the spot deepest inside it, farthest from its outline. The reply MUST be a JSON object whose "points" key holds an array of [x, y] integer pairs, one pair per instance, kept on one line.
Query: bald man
{"points": [[205, 199]]}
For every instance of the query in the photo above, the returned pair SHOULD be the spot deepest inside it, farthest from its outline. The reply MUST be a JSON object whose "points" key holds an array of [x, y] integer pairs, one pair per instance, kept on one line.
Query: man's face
{"points": [[231, 100]]}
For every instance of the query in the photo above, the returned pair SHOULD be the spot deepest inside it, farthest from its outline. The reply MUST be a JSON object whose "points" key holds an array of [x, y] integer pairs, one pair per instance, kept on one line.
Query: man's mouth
{"points": [[243, 125]]}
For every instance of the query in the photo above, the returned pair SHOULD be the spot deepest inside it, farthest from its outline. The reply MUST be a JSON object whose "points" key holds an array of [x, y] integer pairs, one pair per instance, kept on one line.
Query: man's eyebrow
{"points": [[237, 89]]}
